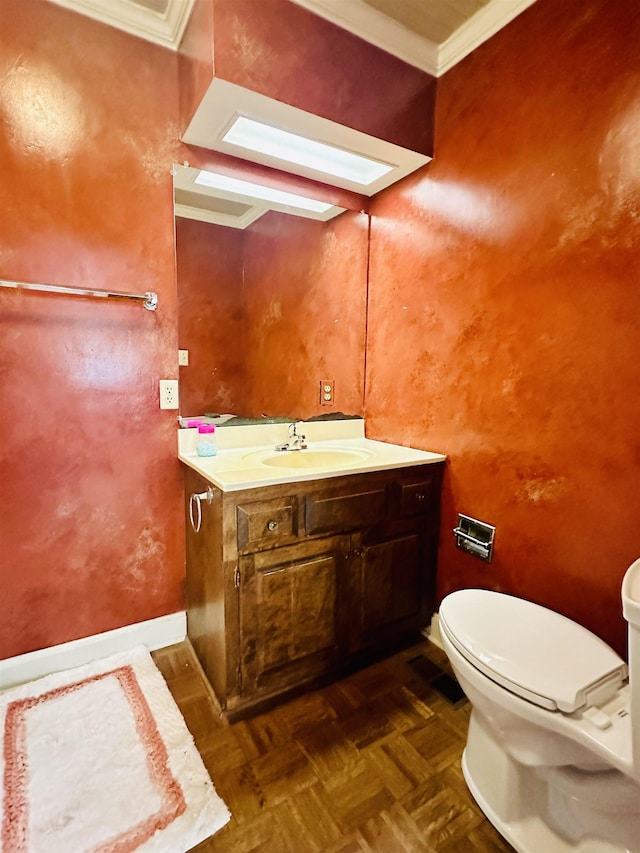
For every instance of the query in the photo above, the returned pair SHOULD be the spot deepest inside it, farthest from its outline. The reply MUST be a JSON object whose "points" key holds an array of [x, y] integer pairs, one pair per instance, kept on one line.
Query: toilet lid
{"points": [[530, 650]]}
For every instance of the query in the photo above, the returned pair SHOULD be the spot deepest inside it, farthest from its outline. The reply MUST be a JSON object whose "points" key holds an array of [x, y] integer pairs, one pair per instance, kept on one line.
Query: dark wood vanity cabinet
{"points": [[293, 584]]}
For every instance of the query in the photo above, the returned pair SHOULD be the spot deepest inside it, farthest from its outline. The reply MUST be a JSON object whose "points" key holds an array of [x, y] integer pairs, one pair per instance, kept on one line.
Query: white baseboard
{"points": [[153, 633], [433, 632]]}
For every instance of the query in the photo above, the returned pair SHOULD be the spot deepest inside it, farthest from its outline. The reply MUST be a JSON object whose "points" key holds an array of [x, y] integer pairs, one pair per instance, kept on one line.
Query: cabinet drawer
{"points": [[423, 495], [266, 524], [326, 512]]}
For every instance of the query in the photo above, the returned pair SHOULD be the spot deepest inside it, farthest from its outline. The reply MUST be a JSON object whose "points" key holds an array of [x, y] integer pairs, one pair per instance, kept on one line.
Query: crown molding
{"points": [[163, 28], [478, 29], [384, 32]]}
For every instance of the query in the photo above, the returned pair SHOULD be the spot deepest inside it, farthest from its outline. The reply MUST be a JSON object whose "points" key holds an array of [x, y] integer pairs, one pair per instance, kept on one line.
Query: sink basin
{"points": [[317, 459]]}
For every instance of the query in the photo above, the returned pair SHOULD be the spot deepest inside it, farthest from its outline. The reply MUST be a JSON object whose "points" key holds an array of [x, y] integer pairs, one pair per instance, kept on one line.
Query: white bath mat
{"points": [[98, 759]]}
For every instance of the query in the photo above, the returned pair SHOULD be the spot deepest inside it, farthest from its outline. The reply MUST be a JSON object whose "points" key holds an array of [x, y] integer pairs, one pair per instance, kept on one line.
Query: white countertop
{"points": [[246, 457]]}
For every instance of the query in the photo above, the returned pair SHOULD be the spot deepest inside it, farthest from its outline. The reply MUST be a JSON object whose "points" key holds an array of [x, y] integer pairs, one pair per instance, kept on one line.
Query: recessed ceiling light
{"points": [[292, 148], [248, 188]]}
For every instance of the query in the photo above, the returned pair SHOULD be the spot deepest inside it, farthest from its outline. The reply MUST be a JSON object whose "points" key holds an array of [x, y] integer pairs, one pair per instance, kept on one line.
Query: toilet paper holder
{"points": [[475, 537]]}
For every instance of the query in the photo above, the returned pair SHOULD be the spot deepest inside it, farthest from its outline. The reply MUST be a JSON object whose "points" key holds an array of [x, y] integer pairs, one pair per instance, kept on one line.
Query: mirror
{"points": [[267, 312]]}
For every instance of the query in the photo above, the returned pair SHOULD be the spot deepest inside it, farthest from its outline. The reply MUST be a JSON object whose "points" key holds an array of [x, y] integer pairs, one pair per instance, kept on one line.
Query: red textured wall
{"points": [[211, 317], [195, 59], [504, 319], [306, 285], [91, 526]]}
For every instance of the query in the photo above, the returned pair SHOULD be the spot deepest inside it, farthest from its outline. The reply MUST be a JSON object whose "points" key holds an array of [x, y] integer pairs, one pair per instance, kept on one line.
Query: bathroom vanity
{"points": [[306, 573]]}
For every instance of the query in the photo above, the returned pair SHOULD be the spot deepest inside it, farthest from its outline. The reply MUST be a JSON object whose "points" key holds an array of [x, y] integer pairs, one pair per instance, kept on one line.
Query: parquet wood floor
{"points": [[369, 764]]}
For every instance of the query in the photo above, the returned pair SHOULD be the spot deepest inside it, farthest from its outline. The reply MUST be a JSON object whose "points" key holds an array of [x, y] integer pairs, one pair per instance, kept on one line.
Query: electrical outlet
{"points": [[168, 393], [183, 357], [327, 388]]}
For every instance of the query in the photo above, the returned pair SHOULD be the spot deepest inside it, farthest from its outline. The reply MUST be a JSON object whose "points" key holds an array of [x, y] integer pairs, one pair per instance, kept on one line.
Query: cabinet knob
{"points": [[420, 497], [272, 525]]}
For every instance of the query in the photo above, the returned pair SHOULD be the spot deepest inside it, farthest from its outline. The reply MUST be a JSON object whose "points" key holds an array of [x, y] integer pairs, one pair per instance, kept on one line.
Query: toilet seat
{"points": [[534, 652]]}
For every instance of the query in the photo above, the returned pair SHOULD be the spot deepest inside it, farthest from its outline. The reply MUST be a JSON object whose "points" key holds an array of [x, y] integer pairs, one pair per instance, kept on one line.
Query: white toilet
{"points": [[552, 757]]}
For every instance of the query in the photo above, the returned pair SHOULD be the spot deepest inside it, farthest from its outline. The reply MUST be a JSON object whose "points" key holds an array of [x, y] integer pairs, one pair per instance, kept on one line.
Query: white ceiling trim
{"points": [[384, 32], [485, 23], [163, 28]]}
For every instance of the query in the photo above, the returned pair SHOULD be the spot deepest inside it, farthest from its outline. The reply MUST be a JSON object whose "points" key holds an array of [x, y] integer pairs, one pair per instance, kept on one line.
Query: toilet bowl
{"points": [[550, 750]]}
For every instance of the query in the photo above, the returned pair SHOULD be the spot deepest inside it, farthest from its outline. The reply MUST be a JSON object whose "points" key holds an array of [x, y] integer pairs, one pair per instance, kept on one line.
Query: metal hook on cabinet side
{"points": [[195, 501]]}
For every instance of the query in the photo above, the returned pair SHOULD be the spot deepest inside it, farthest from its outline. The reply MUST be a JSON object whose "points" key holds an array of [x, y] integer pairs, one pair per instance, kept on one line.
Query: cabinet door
{"points": [[292, 626], [393, 582]]}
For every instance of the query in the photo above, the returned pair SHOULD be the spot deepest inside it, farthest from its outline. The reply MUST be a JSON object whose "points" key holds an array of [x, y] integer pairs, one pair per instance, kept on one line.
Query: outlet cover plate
{"points": [[327, 392], [169, 394]]}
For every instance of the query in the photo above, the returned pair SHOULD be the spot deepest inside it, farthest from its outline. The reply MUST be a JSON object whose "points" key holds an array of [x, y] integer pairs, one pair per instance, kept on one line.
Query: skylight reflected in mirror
{"points": [[247, 188], [221, 198]]}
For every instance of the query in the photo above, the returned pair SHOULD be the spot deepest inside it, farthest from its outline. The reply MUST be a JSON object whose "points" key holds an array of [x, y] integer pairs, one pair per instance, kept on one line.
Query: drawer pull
{"points": [[420, 497], [272, 525]]}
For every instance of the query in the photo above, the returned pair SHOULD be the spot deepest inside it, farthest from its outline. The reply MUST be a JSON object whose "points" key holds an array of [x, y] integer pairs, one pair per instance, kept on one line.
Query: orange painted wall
{"points": [[306, 285], [91, 524], [211, 317], [504, 317], [195, 59]]}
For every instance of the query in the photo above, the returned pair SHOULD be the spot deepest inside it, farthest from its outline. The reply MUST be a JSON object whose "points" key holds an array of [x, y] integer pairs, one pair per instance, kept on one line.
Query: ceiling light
{"points": [[247, 188], [292, 148]]}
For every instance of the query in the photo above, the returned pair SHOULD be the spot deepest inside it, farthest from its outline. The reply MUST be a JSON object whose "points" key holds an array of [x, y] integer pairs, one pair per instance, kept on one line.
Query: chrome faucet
{"points": [[296, 442]]}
